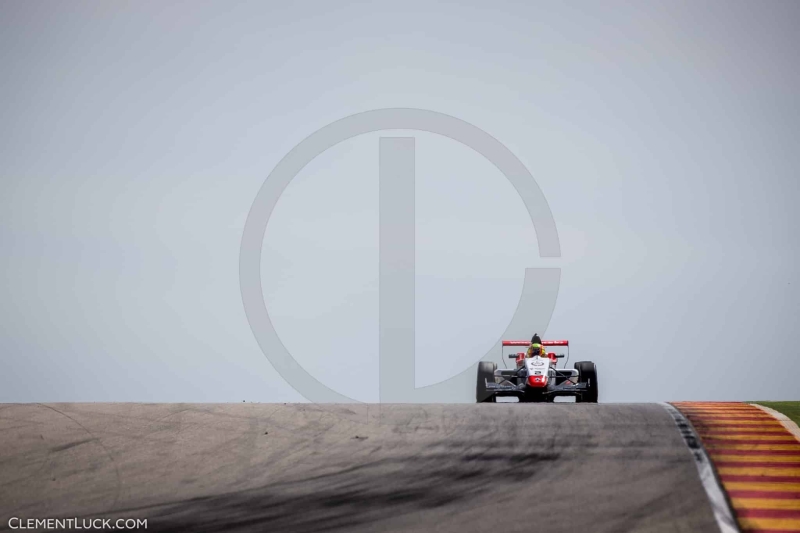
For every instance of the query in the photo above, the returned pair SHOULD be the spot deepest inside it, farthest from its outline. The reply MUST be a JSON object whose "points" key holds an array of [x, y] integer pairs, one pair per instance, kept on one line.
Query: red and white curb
{"points": [[720, 505], [755, 453]]}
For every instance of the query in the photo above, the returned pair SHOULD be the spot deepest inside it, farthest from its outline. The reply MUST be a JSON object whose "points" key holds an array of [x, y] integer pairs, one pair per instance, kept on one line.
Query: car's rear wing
{"points": [[528, 343]]}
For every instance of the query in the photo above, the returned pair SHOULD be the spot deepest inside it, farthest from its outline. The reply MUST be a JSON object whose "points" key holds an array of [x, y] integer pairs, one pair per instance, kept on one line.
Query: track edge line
{"points": [[785, 421], [720, 504]]}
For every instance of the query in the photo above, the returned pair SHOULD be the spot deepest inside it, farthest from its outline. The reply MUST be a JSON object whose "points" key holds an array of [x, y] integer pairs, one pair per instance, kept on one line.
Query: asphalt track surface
{"points": [[307, 468]]}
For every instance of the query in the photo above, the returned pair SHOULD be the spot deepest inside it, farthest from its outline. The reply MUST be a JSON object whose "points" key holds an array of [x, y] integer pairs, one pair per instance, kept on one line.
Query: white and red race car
{"points": [[538, 378]]}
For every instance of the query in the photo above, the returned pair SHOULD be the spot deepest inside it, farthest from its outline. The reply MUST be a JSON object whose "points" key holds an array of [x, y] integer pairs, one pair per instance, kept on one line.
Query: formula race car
{"points": [[537, 379]]}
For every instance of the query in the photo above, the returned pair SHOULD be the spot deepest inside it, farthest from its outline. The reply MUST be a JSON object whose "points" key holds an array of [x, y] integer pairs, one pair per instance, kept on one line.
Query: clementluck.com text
{"points": [[77, 523]]}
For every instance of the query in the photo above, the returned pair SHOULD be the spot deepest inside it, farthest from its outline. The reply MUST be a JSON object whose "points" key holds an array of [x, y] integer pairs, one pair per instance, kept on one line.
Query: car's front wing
{"points": [[509, 389]]}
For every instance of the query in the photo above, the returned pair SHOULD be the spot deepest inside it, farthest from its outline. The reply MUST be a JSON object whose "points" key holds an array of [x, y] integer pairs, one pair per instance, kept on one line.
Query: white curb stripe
{"points": [[716, 495], [787, 422]]}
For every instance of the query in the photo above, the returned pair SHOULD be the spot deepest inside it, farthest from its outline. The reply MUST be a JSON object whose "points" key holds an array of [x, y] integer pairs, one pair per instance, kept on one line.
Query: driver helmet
{"points": [[535, 349]]}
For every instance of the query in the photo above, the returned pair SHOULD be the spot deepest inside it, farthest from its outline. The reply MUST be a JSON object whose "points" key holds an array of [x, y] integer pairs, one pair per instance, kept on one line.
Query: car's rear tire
{"points": [[485, 372], [587, 373]]}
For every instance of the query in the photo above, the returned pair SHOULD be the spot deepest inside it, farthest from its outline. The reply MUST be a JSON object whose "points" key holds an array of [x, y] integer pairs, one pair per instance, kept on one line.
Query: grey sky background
{"points": [[135, 135]]}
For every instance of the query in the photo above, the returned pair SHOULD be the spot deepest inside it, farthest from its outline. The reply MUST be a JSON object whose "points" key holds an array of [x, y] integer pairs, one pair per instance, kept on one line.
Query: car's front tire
{"points": [[485, 372], [587, 373]]}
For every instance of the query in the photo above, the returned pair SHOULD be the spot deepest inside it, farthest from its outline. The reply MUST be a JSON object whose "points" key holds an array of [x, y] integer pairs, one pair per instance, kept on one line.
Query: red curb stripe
{"points": [[717, 451], [726, 416], [786, 444], [716, 402], [730, 428], [792, 445], [720, 409], [756, 464], [745, 440], [762, 530], [768, 513], [718, 422], [721, 448], [758, 412], [765, 494], [730, 414], [736, 418], [749, 427], [711, 427], [724, 412], [751, 420], [760, 479], [702, 405], [712, 432], [715, 412]]}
